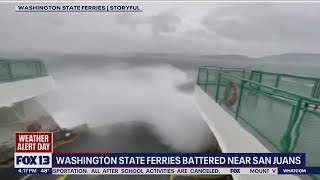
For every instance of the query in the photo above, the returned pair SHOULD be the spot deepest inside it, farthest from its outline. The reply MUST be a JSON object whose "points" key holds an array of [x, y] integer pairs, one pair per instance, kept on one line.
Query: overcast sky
{"points": [[253, 29]]}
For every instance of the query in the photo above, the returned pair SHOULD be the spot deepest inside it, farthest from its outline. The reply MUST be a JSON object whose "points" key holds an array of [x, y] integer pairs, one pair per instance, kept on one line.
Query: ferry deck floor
{"points": [[135, 137]]}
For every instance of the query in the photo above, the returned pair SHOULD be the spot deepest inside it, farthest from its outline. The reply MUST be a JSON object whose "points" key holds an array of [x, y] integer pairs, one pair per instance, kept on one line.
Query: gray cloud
{"points": [[198, 33], [164, 22], [266, 22], [129, 20], [253, 29]]}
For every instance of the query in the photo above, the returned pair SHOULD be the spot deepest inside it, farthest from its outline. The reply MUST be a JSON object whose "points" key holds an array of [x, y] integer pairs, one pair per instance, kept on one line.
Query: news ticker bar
{"points": [[82, 8], [164, 160], [166, 171]]}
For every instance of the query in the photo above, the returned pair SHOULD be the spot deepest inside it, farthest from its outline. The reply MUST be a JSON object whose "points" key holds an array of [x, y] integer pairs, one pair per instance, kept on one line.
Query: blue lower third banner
{"points": [[128, 160], [165, 163]]}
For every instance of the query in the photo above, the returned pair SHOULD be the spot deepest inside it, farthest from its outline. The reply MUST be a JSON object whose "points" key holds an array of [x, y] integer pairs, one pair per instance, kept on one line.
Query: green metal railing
{"points": [[13, 70], [283, 110]]}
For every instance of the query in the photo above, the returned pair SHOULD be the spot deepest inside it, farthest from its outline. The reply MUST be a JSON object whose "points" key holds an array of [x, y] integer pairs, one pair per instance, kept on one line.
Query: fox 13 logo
{"points": [[33, 160]]}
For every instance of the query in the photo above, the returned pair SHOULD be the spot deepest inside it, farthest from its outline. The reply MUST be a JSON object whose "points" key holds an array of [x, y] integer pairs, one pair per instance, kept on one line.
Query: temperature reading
{"points": [[45, 171]]}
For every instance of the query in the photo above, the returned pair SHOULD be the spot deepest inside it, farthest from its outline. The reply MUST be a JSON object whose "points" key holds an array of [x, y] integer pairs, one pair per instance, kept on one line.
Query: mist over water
{"points": [[112, 94]]}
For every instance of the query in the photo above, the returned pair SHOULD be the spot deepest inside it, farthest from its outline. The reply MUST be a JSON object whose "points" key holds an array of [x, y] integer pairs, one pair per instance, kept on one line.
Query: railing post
{"points": [[276, 84], [251, 75], [240, 99], [317, 94], [198, 79], [277, 81], [38, 65], [316, 89], [10, 71], [243, 74], [205, 87], [286, 139], [218, 86], [44, 70], [41, 68]]}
